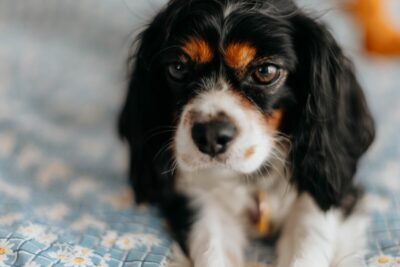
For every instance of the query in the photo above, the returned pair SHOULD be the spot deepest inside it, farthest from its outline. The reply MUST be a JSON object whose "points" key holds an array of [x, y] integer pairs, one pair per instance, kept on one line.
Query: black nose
{"points": [[213, 137]]}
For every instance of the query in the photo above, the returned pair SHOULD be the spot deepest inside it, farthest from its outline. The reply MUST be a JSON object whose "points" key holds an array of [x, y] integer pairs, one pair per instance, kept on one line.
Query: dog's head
{"points": [[217, 83]]}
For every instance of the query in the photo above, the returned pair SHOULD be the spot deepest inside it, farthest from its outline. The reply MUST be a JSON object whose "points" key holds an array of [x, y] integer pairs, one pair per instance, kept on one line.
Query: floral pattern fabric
{"points": [[64, 198]]}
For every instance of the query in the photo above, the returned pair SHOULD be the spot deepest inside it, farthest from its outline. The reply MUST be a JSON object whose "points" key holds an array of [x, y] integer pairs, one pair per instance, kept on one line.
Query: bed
{"points": [[64, 198]]}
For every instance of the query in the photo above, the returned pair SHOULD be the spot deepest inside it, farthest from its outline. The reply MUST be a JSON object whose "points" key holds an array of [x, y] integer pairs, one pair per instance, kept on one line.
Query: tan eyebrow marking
{"points": [[198, 50], [239, 55]]}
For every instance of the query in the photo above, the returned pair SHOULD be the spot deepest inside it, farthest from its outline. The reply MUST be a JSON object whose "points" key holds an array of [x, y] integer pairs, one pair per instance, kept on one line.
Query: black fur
{"points": [[326, 117], [334, 127]]}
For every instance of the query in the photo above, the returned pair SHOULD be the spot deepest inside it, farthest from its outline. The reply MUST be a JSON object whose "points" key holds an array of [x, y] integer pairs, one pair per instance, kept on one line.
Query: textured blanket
{"points": [[64, 198]]}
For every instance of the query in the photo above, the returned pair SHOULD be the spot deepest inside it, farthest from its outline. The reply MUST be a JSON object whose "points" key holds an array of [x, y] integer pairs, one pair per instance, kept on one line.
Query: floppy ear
{"points": [[143, 121], [334, 125]]}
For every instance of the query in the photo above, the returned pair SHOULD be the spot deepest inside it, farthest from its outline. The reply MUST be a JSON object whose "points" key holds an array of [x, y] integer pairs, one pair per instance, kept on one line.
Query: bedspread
{"points": [[64, 198]]}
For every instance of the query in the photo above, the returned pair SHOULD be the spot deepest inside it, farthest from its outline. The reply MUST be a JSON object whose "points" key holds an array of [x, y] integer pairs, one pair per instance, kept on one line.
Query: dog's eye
{"points": [[266, 74], [177, 71]]}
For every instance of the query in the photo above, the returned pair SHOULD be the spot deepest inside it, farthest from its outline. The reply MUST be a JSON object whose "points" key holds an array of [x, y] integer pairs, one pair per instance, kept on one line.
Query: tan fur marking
{"points": [[239, 55], [198, 50], [249, 152], [272, 122], [275, 119]]}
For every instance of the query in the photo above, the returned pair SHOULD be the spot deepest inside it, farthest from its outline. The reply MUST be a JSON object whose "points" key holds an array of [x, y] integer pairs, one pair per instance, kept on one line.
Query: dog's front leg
{"points": [[217, 239], [309, 236]]}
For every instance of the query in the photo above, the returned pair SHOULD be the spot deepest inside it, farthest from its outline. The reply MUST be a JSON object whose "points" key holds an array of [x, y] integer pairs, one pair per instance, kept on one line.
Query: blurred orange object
{"points": [[381, 37]]}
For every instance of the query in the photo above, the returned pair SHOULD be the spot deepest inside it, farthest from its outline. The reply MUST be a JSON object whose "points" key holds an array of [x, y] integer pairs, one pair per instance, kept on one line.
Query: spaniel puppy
{"points": [[232, 99]]}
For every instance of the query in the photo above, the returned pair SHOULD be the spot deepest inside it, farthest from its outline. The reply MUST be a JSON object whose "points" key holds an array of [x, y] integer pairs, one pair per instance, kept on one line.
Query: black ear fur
{"points": [[140, 124], [144, 120], [334, 125], [145, 123]]}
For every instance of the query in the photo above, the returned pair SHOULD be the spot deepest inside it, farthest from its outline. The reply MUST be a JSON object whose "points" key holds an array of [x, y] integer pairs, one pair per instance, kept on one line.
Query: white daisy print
{"points": [[31, 231], [397, 262], [88, 221], [5, 251], [149, 240], [61, 255], [56, 212], [54, 171], [121, 200], [127, 241], [383, 261], [18, 192], [78, 261], [7, 144], [82, 251], [109, 238], [11, 218], [6, 247], [82, 186], [46, 239], [29, 156]]}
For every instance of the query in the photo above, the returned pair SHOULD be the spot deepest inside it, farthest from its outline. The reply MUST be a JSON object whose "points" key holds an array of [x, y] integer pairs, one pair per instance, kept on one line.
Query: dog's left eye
{"points": [[177, 71], [266, 74]]}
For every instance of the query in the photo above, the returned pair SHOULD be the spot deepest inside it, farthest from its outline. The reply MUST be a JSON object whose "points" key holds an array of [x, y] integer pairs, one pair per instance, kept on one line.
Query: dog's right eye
{"points": [[178, 71]]}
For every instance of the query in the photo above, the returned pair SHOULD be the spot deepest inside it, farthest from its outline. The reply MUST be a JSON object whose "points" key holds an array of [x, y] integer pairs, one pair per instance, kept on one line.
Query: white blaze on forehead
{"points": [[214, 102]]}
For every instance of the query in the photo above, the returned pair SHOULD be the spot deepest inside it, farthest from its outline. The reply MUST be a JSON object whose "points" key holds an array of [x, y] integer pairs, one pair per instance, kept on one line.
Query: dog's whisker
{"points": [[163, 149]]}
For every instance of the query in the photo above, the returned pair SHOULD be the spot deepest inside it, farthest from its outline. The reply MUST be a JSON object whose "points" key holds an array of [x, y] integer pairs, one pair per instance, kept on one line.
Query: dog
{"points": [[232, 99]]}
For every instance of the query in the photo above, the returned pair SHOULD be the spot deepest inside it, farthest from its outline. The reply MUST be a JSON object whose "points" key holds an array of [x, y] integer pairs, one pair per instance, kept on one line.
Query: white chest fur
{"points": [[233, 196], [309, 236]]}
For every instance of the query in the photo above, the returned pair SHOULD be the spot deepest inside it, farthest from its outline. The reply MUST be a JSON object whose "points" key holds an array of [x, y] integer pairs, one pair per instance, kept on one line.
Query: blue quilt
{"points": [[64, 199]]}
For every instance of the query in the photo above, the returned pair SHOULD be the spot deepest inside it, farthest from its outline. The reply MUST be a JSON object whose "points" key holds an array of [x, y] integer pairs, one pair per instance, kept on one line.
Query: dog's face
{"points": [[232, 76], [226, 65]]}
